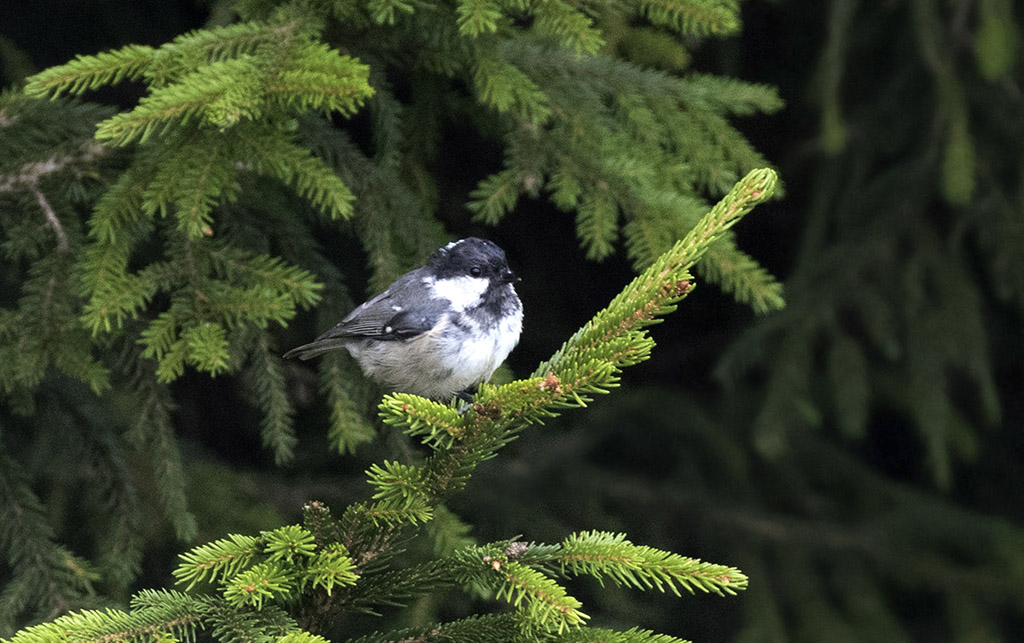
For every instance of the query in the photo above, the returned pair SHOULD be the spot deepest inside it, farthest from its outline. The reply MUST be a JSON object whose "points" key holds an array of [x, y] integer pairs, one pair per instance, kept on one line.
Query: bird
{"points": [[438, 331]]}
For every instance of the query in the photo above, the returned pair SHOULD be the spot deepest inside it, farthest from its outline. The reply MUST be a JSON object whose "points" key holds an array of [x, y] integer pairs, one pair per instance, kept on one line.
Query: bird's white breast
{"points": [[463, 292], [475, 355]]}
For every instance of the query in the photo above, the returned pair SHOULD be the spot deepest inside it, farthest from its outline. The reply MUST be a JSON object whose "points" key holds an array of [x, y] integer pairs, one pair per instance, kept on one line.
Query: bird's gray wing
{"points": [[366, 320], [381, 318]]}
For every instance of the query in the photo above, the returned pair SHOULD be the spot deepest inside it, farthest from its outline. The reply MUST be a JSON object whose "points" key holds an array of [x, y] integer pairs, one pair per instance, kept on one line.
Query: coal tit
{"points": [[437, 331]]}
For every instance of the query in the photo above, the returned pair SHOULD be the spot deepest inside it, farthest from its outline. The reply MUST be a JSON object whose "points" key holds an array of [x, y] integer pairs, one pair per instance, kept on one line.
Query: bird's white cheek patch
{"points": [[462, 292]]}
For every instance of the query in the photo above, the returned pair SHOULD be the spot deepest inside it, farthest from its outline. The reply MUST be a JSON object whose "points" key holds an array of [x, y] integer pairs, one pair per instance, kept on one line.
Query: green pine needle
{"points": [[605, 554], [330, 567], [348, 425], [91, 72], [478, 17], [218, 559], [387, 11], [568, 25], [544, 602], [266, 581], [155, 615], [738, 274], [597, 224], [601, 635], [495, 197], [288, 543], [265, 379], [694, 17], [506, 88]]}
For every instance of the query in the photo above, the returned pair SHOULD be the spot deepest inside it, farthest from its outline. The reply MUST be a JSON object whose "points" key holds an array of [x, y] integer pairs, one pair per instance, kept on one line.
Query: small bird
{"points": [[437, 331]]}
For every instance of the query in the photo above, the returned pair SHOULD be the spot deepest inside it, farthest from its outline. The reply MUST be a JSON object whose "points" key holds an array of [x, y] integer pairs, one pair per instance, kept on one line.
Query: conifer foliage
{"points": [[179, 236], [296, 581]]}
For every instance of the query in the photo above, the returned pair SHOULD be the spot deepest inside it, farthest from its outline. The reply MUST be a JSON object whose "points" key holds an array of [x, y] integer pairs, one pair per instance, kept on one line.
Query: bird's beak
{"points": [[510, 277]]}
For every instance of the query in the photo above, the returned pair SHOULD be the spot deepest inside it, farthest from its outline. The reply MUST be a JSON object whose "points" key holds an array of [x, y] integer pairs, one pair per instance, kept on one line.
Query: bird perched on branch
{"points": [[437, 331]]}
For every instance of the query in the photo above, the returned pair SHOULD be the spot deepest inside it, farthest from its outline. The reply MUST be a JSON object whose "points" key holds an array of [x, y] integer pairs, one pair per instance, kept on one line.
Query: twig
{"points": [[30, 174], [51, 219], [28, 177]]}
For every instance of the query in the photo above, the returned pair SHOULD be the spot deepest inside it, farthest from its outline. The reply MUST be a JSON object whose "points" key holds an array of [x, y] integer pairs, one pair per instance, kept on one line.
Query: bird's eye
{"points": [[475, 271]]}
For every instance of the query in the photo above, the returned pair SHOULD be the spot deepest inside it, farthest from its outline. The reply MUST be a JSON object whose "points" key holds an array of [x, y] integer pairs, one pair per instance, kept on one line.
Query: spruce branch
{"points": [[435, 424], [649, 296], [496, 196], [628, 151], [738, 274], [400, 483], [220, 93], [545, 602], [216, 560], [602, 635], [197, 174], [289, 543], [152, 436], [230, 624], [48, 574], [359, 530], [273, 153], [155, 615], [729, 96], [847, 370], [385, 12], [597, 221], [398, 586], [206, 347], [650, 232], [265, 581], [317, 77], [266, 289], [301, 636], [91, 72], [43, 330], [29, 177], [192, 50], [348, 426], [331, 566], [601, 554], [693, 16], [115, 294], [542, 602], [503, 86], [122, 541], [571, 27], [277, 565], [265, 380], [220, 77], [565, 186], [478, 16], [117, 215], [487, 628], [390, 512]]}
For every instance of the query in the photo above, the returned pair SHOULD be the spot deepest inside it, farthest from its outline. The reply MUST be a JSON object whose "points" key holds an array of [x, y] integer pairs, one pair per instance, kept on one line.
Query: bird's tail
{"points": [[314, 348]]}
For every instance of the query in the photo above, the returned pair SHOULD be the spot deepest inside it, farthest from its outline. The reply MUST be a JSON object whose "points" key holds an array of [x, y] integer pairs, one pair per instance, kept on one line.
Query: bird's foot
{"points": [[466, 395]]}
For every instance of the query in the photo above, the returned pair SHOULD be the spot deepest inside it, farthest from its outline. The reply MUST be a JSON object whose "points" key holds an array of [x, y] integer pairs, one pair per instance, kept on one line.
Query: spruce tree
{"points": [[179, 236]]}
